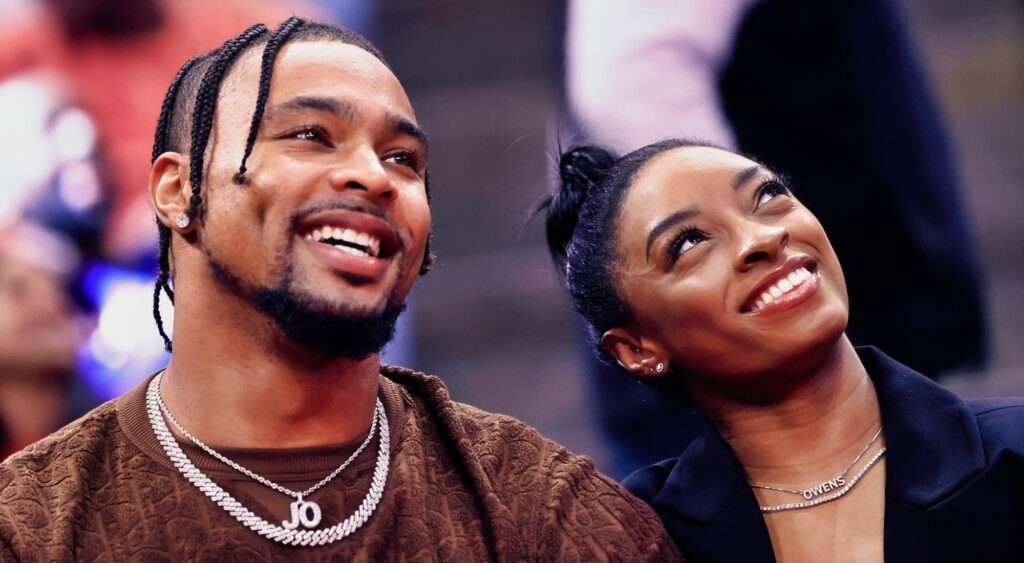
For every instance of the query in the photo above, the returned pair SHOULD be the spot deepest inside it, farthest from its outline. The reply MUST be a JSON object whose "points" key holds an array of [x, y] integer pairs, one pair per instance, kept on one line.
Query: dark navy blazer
{"points": [[954, 487]]}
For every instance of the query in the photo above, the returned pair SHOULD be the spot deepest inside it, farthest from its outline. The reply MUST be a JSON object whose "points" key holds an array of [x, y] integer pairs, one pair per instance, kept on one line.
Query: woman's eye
{"points": [[769, 191], [684, 241], [690, 242]]}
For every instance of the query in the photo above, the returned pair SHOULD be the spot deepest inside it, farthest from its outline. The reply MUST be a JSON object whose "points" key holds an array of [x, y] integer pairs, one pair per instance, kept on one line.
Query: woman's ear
{"points": [[169, 191], [635, 354]]}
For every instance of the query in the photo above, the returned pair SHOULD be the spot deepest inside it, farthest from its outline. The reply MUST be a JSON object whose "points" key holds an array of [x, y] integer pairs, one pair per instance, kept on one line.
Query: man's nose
{"points": [[362, 170]]}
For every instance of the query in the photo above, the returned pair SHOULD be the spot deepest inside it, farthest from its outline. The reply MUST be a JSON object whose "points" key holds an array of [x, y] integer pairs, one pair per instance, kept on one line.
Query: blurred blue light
{"points": [[124, 347]]}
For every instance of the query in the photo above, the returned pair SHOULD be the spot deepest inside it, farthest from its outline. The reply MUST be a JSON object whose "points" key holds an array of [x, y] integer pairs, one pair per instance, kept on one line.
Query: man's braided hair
{"points": [[186, 118]]}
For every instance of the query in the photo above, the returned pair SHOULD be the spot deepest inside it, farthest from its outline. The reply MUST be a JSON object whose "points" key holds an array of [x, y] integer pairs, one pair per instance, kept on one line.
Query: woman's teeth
{"points": [[782, 287], [349, 240]]}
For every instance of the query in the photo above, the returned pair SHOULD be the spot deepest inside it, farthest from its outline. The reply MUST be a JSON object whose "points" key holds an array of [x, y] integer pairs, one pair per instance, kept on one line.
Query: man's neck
{"points": [[234, 380], [815, 429]]}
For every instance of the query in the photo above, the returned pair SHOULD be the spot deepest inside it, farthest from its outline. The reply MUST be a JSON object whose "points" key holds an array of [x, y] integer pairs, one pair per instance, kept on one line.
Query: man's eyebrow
{"points": [[739, 179], [404, 126], [668, 222], [341, 108], [345, 110]]}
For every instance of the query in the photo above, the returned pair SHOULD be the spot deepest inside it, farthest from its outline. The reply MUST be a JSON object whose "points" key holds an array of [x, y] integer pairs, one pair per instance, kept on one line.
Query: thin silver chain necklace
{"points": [[829, 490], [303, 512]]}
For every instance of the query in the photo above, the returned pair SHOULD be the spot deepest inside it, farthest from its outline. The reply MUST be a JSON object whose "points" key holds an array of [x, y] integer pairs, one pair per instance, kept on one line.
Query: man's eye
{"points": [[407, 159], [769, 191], [312, 133]]}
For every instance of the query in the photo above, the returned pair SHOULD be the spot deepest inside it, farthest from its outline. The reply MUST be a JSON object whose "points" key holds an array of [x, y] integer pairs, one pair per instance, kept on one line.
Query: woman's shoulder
{"points": [[647, 482], [998, 408], [1001, 423]]}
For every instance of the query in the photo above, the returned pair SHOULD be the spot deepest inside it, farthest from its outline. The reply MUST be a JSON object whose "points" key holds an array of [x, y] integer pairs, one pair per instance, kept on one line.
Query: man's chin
{"points": [[330, 330], [327, 329]]}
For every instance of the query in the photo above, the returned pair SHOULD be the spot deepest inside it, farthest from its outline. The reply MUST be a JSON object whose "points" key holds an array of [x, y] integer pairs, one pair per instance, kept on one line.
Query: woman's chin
{"points": [[812, 342], [781, 355]]}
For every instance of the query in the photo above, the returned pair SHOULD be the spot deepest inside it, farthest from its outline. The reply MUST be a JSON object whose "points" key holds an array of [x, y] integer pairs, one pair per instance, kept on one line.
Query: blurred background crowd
{"points": [[900, 123]]}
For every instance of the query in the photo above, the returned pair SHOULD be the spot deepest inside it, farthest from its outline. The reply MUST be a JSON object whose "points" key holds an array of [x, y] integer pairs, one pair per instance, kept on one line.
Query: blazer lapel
{"points": [[944, 500], [707, 502]]}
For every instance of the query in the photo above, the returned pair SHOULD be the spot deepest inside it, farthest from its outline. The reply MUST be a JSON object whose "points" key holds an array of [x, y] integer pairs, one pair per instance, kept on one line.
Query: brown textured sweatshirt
{"points": [[464, 485]]}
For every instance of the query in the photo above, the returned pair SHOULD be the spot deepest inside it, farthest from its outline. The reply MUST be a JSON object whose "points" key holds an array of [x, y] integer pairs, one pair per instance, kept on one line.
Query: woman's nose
{"points": [[760, 243]]}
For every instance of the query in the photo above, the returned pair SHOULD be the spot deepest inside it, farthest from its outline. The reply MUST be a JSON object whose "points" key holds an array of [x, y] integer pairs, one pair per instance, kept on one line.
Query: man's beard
{"points": [[329, 330]]}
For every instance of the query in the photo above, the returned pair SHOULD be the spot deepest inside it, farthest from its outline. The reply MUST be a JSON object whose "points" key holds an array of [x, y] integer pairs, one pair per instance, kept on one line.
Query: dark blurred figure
{"points": [[849, 107], [830, 92], [54, 202], [117, 56], [38, 338], [81, 84]]}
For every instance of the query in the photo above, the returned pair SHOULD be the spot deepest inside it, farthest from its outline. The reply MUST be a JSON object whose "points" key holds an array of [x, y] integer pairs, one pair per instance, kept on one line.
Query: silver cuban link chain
{"points": [[304, 512]]}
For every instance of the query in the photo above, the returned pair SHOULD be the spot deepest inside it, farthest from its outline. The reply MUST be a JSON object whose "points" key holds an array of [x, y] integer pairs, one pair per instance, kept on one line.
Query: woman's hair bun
{"points": [[579, 170]]}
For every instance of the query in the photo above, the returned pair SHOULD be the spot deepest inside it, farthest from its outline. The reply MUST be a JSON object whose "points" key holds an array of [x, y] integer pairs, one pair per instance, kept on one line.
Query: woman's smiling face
{"points": [[726, 274]]}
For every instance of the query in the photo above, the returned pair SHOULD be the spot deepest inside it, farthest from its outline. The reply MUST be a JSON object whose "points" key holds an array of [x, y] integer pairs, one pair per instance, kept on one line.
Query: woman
{"points": [[698, 268]]}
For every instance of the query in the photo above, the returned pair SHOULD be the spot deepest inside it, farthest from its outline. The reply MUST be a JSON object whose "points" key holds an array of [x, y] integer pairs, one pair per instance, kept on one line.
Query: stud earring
{"points": [[182, 220], [660, 368]]}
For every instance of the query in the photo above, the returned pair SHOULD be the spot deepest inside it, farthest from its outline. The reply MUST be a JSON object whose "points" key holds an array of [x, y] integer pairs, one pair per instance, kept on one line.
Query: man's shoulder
{"points": [[49, 472], [536, 487], [493, 438], [81, 436]]}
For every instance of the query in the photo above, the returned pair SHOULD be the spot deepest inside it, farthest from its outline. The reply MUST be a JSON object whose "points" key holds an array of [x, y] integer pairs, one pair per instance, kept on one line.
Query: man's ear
{"points": [[169, 191], [635, 354]]}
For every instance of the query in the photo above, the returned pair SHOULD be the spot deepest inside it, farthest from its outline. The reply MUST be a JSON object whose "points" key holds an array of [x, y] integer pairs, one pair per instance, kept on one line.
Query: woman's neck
{"points": [[822, 420]]}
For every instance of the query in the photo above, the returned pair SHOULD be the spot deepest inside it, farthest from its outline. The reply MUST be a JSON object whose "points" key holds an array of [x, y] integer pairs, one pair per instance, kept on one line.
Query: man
{"points": [[292, 234]]}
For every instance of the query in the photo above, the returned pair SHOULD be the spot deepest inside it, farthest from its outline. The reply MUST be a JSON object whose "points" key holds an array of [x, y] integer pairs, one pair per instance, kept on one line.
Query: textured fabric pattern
{"points": [[465, 485]]}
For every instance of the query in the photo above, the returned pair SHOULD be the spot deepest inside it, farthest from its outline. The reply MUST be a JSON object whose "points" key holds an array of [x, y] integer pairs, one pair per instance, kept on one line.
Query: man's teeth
{"points": [[353, 251], [781, 287], [365, 244]]}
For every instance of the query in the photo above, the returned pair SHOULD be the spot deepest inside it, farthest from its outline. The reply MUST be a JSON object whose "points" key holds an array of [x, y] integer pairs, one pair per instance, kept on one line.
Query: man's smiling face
{"points": [[332, 223]]}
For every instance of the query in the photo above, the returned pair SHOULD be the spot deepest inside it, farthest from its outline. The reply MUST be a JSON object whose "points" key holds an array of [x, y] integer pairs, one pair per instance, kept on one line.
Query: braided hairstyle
{"points": [[582, 217], [186, 118], [266, 70], [159, 146]]}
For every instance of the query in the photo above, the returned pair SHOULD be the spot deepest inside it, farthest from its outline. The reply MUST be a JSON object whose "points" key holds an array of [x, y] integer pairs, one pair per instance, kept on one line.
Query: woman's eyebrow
{"points": [[666, 223], [743, 176]]}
